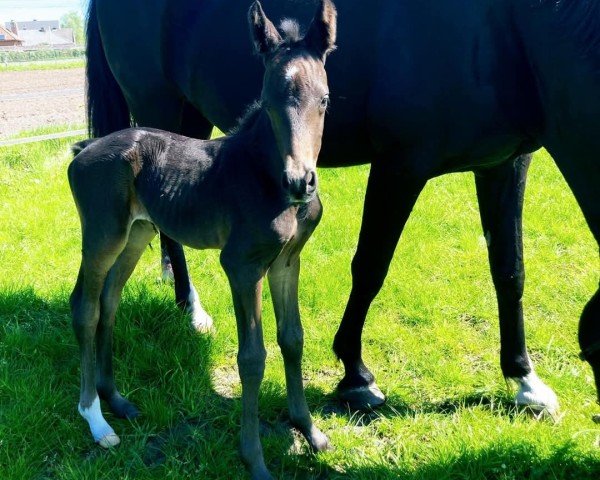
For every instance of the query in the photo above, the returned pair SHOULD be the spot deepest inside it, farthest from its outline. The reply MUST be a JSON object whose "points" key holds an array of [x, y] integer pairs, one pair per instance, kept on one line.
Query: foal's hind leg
{"points": [[500, 192], [140, 235], [85, 307]]}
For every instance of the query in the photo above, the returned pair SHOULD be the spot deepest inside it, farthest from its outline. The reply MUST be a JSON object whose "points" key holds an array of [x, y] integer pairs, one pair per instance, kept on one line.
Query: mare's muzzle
{"points": [[300, 190]]}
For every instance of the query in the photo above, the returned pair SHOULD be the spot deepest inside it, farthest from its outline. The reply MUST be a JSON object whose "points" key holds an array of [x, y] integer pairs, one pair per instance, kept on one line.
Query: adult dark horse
{"points": [[419, 89]]}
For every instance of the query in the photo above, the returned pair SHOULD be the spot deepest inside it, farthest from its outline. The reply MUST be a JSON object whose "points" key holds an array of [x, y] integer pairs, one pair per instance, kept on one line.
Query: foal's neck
{"points": [[254, 134]]}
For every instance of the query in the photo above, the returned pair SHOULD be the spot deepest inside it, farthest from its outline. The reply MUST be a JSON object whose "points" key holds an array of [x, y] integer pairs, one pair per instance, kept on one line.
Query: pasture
{"points": [[431, 339]]}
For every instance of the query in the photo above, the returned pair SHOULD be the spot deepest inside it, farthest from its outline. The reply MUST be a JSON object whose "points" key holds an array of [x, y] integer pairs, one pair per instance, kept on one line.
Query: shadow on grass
{"points": [[517, 461], [187, 427]]}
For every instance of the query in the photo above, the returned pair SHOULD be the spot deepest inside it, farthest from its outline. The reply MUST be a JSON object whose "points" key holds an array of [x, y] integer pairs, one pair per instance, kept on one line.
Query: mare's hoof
{"points": [[537, 397], [362, 398], [261, 475], [109, 441], [202, 322], [320, 443]]}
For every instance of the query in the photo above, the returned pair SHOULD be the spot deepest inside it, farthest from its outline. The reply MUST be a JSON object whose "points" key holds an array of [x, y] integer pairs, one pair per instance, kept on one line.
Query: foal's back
{"points": [[152, 175]]}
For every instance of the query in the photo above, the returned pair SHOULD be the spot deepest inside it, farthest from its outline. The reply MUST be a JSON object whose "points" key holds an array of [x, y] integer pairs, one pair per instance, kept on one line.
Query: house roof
{"points": [[35, 37], [8, 35], [35, 24]]}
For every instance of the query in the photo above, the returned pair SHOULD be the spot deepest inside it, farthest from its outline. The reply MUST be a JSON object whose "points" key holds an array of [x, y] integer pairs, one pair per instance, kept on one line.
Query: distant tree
{"points": [[73, 20]]}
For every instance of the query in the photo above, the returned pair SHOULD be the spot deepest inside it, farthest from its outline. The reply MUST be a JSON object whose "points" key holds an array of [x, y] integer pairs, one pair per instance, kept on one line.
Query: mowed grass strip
{"points": [[431, 339], [64, 64]]}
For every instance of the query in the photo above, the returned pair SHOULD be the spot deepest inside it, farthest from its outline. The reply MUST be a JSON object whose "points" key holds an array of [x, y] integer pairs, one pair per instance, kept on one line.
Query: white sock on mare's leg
{"points": [[535, 394], [201, 321], [102, 432]]}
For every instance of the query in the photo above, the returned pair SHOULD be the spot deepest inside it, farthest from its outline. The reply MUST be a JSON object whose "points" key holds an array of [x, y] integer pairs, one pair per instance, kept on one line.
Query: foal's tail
{"points": [[107, 110], [78, 147]]}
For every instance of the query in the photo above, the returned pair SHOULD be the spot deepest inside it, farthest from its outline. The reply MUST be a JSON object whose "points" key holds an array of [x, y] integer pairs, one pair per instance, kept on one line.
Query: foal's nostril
{"points": [[311, 180]]}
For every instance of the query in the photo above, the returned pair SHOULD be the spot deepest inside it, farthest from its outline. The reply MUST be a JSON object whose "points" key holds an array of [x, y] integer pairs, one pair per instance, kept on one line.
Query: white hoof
{"points": [[109, 441], [101, 431], [201, 321], [536, 395]]}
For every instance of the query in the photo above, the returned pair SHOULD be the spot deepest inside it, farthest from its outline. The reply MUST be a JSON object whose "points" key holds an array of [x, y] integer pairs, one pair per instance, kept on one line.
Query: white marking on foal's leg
{"points": [[201, 320], [101, 430], [535, 394]]}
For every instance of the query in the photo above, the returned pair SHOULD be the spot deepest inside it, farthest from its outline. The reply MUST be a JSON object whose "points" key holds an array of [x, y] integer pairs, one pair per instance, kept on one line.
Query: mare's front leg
{"points": [[186, 296], [391, 195], [500, 192], [245, 279], [283, 282]]}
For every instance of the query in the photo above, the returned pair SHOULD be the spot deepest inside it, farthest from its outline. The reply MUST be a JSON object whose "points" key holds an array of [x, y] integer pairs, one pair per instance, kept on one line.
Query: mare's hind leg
{"points": [[169, 113], [500, 192], [580, 166], [140, 235], [97, 259]]}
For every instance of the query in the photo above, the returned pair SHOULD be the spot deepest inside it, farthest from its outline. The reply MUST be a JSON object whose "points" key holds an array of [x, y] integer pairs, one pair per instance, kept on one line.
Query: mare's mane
{"points": [[580, 20]]}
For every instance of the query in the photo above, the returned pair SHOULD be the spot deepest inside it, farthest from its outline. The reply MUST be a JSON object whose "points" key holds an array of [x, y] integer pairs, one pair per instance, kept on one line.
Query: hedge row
{"points": [[34, 55]]}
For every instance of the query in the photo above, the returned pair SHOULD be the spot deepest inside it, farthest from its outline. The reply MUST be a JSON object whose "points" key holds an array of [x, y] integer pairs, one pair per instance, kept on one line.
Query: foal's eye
{"points": [[325, 102]]}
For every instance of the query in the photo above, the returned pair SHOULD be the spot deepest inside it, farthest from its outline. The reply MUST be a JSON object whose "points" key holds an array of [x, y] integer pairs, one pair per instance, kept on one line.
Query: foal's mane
{"points": [[247, 119], [580, 20]]}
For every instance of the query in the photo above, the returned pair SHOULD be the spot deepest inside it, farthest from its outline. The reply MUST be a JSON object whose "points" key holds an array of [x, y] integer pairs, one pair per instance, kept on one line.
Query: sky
{"points": [[24, 10]]}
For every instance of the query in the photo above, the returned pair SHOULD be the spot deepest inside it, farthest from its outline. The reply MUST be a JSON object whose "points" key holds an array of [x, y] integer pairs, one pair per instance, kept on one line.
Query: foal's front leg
{"points": [[246, 288], [283, 281]]}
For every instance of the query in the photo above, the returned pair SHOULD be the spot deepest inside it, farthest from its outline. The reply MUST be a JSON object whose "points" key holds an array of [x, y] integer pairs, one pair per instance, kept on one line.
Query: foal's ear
{"points": [[265, 36], [323, 29]]}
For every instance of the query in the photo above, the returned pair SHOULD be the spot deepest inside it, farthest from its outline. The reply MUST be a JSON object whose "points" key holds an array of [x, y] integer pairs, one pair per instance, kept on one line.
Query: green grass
{"points": [[431, 339], [43, 65]]}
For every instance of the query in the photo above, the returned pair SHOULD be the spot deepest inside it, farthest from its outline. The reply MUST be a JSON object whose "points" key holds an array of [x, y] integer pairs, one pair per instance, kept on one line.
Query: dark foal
{"points": [[252, 194]]}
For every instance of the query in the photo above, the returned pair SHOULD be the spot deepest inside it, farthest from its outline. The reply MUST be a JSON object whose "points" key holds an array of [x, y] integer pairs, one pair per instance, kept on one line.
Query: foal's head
{"points": [[295, 93]]}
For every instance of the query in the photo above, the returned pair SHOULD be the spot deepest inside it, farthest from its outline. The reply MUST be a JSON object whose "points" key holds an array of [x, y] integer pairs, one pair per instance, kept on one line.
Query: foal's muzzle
{"points": [[300, 190]]}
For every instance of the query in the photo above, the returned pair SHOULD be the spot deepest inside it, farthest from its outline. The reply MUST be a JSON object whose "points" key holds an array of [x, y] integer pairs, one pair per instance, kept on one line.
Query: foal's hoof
{"points": [[123, 408], [362, 398], [596, 418], [167, 275], [119, 405], [536, 396], [109, 441]]}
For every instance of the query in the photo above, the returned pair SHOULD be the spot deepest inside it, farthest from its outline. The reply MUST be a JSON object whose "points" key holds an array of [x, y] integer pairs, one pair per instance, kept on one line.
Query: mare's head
{"points": [[295, 93]]}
